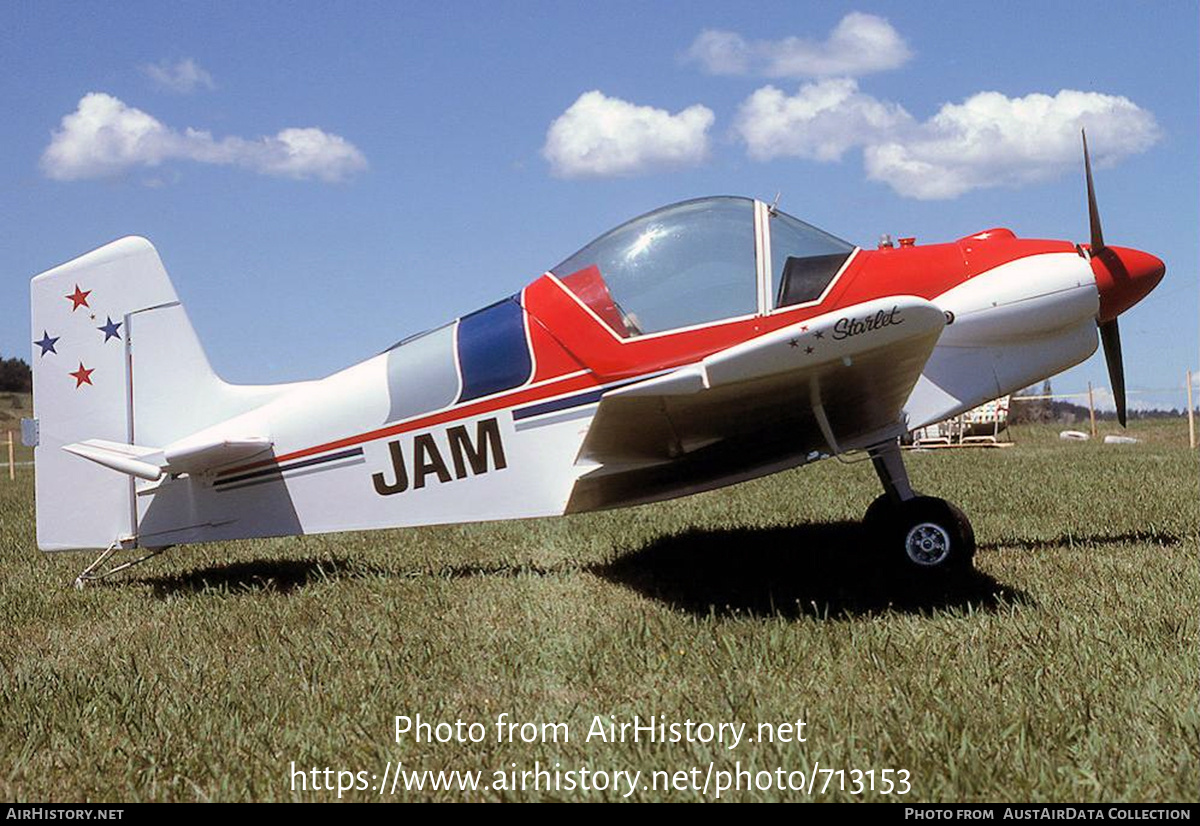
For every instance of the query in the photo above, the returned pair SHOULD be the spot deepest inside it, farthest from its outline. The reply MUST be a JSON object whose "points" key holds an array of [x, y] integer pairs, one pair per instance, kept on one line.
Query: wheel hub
{"points": [[927, 544]]}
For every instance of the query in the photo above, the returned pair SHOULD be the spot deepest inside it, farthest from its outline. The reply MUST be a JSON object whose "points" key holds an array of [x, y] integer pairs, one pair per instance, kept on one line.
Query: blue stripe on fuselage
{"points": [[493, 352], [560, 404], [579, 399]]}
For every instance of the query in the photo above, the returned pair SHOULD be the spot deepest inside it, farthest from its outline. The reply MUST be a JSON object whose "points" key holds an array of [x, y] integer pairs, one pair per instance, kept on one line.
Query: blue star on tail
{"points": [[47, 343], [110, 329]]}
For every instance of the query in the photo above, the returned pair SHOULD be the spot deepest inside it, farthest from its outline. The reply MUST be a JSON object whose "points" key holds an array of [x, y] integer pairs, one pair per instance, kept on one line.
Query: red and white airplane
{"points": [[696, 346]]}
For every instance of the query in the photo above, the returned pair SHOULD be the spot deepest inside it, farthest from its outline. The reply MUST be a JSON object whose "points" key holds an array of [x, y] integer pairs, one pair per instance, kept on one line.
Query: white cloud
{"points": [[988, 140], [105, 137], [183, 77], [599, 136], [859, 44], [993, 140], [820, 122], [719, 52]]}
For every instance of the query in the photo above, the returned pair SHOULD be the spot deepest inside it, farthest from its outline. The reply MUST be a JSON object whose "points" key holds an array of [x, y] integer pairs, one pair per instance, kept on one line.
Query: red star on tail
{"points": [[78, 298], [82, 376]]}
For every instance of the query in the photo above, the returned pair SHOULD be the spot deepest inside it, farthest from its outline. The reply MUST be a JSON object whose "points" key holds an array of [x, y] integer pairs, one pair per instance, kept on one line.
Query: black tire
{"points": [[879, 513], [925, 536]]}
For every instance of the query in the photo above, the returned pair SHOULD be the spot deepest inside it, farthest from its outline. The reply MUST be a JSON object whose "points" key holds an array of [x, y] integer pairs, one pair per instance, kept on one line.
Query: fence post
{"points": [[1092, 409], [12, 472], [1191, 414]]}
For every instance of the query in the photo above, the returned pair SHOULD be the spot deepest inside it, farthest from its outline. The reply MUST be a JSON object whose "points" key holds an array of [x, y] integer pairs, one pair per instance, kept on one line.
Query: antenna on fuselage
{"points": [[774, 204]]}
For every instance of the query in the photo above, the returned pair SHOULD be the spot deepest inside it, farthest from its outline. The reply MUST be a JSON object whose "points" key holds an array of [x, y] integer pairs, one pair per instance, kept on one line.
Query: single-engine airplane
{"points": [[696, 346]]}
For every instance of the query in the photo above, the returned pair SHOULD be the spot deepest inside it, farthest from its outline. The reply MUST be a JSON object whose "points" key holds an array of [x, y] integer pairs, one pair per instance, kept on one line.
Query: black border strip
{"points": [[282, 469], [560, 404], [578, 400]]}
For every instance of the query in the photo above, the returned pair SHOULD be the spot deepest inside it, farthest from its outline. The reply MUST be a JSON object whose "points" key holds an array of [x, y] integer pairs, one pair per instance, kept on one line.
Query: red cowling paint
{"points": [[1124, 276]]}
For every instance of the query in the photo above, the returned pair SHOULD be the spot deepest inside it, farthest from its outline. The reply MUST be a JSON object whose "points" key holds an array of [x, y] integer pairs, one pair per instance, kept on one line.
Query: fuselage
{"points": [[695, 346], [484, 417]]}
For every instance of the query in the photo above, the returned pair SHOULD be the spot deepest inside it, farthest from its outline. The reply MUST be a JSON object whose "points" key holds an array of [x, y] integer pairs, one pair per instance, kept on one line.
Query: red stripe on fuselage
{"points": [[567, 384], [922, 271], [925, 272], [981, 255], [550, 358]]}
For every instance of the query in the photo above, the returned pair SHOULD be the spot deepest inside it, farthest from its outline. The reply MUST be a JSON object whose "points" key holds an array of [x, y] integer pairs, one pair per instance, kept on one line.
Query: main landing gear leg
{"points": [[889, 465], [919, 534]]}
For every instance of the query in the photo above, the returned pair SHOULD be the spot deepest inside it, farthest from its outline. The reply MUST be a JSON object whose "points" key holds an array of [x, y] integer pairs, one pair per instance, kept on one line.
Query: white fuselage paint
{"points": [[1013, 325], [537, 473]]}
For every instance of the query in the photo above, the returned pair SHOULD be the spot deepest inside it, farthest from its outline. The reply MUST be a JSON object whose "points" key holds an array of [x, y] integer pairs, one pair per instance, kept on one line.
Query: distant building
{"points": [[981, 425]]}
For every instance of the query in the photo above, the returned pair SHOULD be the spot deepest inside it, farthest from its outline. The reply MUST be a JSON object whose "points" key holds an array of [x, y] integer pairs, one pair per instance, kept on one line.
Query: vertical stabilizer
{"points": [[82, 387], [114, 359]]}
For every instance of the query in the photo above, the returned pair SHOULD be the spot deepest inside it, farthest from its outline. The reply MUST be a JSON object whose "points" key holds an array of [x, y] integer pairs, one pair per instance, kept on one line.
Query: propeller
{"points": [[1093, 210], [1110, 333], [1110, 340]]}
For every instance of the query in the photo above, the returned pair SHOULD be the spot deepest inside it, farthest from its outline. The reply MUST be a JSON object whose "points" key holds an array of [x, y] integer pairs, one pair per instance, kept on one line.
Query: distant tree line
{"points": [[1058, 411], [15, 376]]}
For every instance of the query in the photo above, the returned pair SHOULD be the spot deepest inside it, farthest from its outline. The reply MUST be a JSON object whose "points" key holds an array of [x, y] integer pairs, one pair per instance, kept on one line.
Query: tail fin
{"points": [[117, 360]]}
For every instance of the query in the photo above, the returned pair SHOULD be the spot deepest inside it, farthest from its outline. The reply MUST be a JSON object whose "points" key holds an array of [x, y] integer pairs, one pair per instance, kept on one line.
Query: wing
{"points": [[822, 386]]}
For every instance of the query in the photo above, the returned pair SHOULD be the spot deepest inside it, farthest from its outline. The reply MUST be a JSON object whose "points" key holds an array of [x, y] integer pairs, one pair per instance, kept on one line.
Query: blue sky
{"points": [[356, 172]]}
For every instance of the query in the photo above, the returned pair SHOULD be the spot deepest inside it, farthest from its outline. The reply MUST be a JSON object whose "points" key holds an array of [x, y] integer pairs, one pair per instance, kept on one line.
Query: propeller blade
{"points": [[1110, 338], [1093, 210]]}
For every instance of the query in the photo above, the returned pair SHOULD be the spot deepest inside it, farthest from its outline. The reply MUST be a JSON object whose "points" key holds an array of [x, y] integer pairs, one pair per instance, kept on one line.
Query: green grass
{"points": [[1066, 670], [13, 407]]}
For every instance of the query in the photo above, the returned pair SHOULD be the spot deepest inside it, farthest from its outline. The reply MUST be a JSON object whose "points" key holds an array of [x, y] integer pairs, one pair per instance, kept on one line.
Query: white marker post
{"points": [[1092, 409], [12, 470], [1191, 415]]}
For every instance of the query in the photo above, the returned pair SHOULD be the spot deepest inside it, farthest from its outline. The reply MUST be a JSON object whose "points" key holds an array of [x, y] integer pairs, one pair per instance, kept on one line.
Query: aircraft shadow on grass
{"points": [[282, 576], [820, 570], [1072, 540]]}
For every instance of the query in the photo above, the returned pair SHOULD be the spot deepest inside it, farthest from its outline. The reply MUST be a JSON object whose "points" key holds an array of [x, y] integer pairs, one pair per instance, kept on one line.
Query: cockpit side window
{"points": [[687, 264], [804, 260]]}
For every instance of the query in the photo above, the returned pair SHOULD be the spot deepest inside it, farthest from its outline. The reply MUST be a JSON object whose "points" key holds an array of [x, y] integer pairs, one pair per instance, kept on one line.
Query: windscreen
{"points": [[687, 264]]}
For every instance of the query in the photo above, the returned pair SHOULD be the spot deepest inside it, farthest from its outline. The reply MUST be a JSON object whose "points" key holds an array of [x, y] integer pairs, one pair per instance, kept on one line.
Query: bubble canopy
{"points": [[696, 262]]}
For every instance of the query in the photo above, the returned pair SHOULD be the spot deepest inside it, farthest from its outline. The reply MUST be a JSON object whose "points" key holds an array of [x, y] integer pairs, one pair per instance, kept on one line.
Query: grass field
{"points": [[1065, 670], [13, 407]]}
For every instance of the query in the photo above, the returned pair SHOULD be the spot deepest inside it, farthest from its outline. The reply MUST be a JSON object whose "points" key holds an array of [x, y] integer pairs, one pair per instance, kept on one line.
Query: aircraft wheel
{"points": [[924, 535], [879, 512]]}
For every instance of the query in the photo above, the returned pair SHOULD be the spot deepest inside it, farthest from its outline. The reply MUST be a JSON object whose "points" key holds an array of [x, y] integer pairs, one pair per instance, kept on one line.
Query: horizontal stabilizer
{"points": [[183, 457], [131, 459], [199, 457]]}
